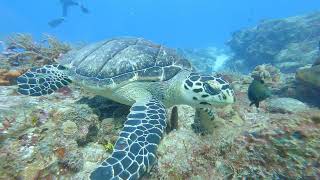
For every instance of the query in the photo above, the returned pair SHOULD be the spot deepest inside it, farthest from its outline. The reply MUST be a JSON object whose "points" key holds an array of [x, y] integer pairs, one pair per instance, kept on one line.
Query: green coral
{"points": [[108, 147], [34, 120]]}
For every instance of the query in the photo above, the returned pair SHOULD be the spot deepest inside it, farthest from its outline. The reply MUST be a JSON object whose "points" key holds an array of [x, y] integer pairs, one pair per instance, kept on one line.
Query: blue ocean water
{"points": [[176, 23]]}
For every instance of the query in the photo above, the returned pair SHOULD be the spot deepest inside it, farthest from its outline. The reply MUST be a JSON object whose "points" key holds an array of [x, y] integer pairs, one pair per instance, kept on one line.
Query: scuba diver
{"points": [[65, 7]]}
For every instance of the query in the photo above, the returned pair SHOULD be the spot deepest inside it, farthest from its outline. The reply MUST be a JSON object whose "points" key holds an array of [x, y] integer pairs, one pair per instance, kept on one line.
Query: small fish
{"points": [[257, 92]]}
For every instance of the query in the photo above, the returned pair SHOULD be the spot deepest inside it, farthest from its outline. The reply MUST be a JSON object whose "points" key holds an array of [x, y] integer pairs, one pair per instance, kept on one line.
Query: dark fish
{"points": [[257, 92], [316, 62]]}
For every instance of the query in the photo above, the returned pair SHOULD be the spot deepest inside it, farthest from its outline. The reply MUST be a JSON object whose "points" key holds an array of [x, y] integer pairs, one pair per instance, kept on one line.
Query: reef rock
{"points": [[266, 72], [310, 76], [286, 43], [285, 105], [308, 84], [82, 117]]}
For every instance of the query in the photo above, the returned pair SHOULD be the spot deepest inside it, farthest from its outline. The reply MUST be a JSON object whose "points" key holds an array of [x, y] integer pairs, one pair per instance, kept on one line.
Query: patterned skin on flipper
{"points": [[135, 150], [42, 81]]}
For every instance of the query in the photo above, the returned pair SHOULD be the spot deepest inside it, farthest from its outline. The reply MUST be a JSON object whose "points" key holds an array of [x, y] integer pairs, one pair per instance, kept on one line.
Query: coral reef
{"points": [[244, 142], [283, 149], [286, 43], [39, 136], [65, 135]]}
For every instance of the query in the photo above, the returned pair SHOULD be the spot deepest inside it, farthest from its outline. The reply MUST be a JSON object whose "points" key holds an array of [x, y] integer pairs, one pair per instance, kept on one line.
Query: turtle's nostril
{"points": [[224, 96]]}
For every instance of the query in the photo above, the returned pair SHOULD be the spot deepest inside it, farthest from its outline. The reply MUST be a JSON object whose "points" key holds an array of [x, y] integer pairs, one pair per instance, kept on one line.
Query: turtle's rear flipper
{"points": [[42, 81], [135, 150]]}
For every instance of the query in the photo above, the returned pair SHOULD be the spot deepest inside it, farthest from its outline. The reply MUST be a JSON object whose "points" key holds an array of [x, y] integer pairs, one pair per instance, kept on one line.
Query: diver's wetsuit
{"points": [[65, 7]]}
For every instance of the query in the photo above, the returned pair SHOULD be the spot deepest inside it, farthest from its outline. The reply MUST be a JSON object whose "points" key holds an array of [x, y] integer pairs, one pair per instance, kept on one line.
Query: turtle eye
{"points": [[211, 90]]}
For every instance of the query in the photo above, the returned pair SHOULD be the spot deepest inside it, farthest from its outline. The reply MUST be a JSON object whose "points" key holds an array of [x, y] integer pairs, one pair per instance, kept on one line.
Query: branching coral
{"points": [[21, 49]]}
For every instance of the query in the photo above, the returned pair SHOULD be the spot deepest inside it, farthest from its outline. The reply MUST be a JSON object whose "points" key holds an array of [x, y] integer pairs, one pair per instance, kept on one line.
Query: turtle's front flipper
{"points": [[135, 150], [202, 116], [42, 81]]}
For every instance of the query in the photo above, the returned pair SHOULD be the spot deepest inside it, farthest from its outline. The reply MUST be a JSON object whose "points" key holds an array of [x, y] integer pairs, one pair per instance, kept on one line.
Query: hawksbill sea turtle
{"points": [[135, 72]]}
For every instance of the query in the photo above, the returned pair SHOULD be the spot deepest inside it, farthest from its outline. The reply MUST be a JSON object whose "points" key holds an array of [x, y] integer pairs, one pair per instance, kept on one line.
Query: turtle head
{"points": [[206, 91]]}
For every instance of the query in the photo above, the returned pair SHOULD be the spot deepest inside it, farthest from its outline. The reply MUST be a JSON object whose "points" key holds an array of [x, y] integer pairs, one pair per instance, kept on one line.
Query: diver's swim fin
{"points": [[84, 9], [56, 22]]}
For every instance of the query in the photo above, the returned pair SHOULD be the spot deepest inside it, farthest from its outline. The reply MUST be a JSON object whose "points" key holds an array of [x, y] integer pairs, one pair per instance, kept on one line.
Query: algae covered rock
{"points": [[83, 117], [72, 160], [310, 76], [285, 105], [308, 85], [69, 128], [281, 42], [105, 108]]}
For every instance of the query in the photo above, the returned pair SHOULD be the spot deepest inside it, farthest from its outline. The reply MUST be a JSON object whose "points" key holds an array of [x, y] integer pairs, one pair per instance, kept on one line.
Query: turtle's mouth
{"points": [[219, 104]]}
